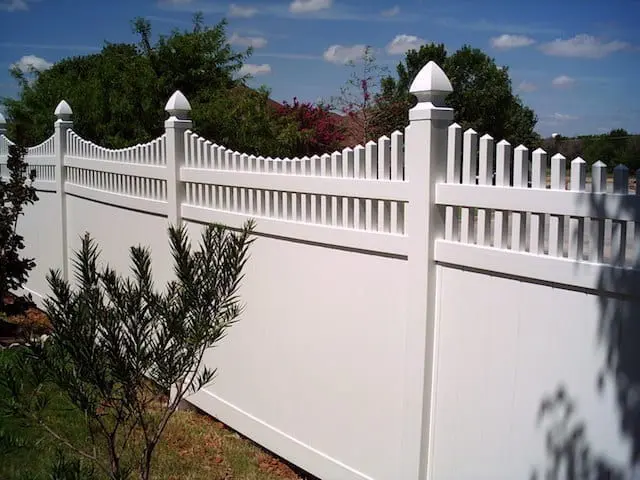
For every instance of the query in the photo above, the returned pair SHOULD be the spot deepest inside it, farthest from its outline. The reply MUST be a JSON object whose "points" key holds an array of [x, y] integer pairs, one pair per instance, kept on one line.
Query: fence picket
{"points": [[384, 158], [454, 160], [397, 156], [503, 179], [485, 175], [619, 228], [576, 224], [556, 222], [538, 180], [598, 185], [469, 155], [359, 161], [518, 219], [384, 173]]}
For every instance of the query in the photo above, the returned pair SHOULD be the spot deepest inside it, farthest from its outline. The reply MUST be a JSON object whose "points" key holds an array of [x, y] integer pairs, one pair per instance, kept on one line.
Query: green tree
{"points": [[15, 195], [115, 333], [613, 148], [111, 93], [482, 94], [245, 120], [631, 154], [118, 94]]}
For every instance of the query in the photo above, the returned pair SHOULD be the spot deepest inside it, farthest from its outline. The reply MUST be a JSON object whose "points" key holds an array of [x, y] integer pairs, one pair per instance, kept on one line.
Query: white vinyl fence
{"points": [[416, 308]]}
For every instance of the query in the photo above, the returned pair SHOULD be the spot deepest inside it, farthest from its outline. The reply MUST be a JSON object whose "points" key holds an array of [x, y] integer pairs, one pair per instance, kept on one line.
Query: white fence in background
{"points": [[415, 308]]}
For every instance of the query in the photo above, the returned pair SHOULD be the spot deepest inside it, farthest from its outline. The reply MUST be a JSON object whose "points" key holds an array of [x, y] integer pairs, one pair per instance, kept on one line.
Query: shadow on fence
{"points": [[567, 442]]}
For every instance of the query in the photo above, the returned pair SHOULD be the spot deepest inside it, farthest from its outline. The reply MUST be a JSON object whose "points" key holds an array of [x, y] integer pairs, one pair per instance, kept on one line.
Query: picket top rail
{"points": [[46, 148], [493, 195], [150, 153], [381, 160], [5, 143], [496, 196]]}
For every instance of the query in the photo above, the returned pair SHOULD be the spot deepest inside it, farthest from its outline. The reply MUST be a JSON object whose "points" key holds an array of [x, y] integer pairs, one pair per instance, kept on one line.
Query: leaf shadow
{"points": [[569, 451]]}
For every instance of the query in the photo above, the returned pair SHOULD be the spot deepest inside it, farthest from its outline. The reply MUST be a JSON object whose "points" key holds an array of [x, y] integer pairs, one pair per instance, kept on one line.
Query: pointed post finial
{"points": [[431, 85], [178, 106], [63, 111], [3, 124]]}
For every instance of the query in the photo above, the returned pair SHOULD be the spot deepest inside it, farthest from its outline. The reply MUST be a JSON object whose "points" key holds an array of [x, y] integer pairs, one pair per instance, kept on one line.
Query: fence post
{"points": [[426, 155], [179, 109], [63, 124]]}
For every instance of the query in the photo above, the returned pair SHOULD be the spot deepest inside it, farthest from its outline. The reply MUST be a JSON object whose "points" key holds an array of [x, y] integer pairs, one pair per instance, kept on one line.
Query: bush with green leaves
{"points": [[118, 344], [15, 195]]}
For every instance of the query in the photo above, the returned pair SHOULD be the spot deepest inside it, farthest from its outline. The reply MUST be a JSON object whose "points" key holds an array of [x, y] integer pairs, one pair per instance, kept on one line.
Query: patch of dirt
{"points": [[20, 319], [276, 467]]}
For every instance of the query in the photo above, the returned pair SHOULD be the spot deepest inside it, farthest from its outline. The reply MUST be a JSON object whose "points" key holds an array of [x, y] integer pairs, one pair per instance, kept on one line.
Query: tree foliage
{"points": [[613, 148], [118, 94], [320, 130], [482, 95], [15, 195], [114, 333], [111, 93]]}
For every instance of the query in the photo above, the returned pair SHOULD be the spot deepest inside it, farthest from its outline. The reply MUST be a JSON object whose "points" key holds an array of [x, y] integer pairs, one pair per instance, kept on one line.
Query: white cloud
{"points": [[255, 42], [305, 6], [563, 81], [582, 46], [30, 62], [254, 70], [403, 43], [240, 11], [341, 54], [563, 117], [14, 5], [511, 41], [392, 12], [527, 87]]}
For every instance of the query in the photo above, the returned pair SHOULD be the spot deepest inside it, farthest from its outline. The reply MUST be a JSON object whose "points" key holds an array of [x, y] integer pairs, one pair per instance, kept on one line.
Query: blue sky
{"points": [[576, 63]]}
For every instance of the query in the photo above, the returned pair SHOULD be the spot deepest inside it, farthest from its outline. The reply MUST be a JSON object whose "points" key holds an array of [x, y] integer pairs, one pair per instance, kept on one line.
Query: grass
{"points": [[194, 447]]}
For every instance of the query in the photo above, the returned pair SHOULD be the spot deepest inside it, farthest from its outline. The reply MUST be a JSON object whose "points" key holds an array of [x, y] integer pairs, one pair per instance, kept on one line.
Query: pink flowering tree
{"points": [[321, 131]]}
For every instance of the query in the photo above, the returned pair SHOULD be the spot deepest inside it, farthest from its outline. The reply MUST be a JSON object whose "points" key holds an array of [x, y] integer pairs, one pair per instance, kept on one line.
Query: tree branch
{"points": [[68, 444]]}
